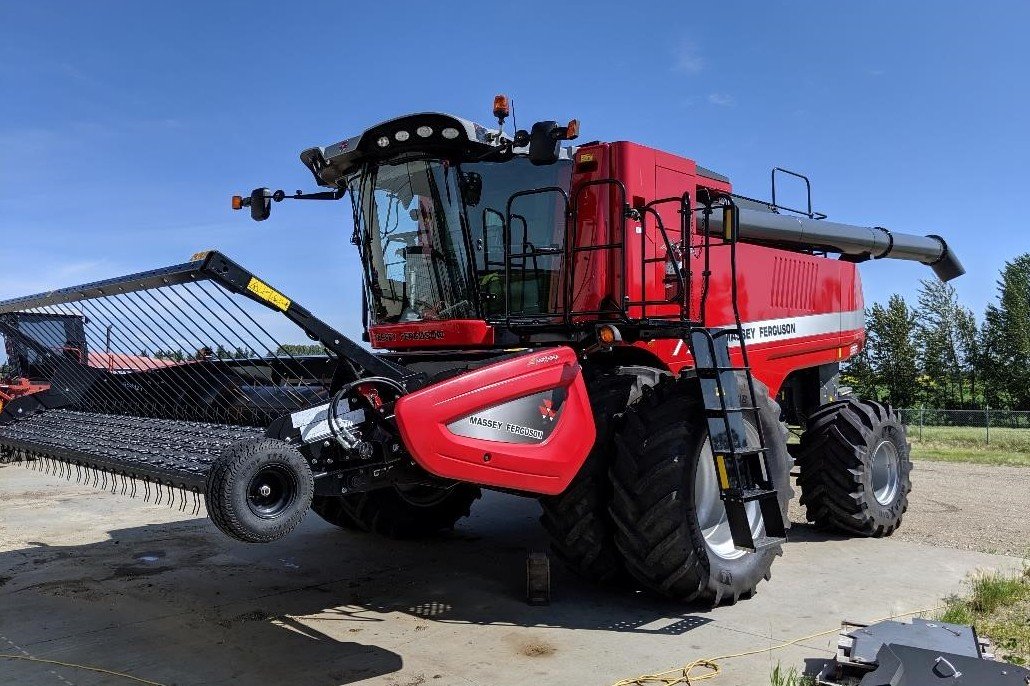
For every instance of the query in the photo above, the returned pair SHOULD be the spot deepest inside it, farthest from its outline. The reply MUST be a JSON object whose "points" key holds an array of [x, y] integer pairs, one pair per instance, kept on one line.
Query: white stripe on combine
{"points": [[771, 330]]}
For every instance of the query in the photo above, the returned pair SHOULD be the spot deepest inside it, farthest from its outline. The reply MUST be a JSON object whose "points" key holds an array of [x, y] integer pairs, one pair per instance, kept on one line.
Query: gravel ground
{"points": [[964, 506]]}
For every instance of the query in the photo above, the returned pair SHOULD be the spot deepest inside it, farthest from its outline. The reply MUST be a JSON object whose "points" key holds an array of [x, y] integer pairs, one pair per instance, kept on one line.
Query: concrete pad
{"points": [[91, 578]]}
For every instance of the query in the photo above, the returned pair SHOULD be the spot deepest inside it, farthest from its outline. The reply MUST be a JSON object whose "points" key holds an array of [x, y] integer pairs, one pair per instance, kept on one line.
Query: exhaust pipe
{"points": [[854, 242]]}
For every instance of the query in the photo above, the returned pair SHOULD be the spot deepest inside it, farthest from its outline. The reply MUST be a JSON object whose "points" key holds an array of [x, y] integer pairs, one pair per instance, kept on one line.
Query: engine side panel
{"points": [[523, 423]]}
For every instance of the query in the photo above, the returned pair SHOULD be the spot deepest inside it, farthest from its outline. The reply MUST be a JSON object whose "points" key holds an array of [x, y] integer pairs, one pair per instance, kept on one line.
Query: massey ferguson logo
{"points": [[547, 411], [544, 359]]}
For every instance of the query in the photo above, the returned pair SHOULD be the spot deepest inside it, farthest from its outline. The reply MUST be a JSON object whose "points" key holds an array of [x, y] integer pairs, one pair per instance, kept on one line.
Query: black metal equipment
{"points": [[153, 375]]}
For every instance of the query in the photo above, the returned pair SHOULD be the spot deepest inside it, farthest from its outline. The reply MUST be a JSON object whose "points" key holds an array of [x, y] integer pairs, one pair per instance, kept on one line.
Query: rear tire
{"points": [[578, 520], [260, 491], [659, 477], [399, 511], [855, 468]]}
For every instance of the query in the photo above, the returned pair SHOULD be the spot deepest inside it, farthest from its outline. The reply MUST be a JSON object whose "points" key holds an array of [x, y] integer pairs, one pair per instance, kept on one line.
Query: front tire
{"points": [[413, 511], [577, 519], [855, 468], [672, 531]]}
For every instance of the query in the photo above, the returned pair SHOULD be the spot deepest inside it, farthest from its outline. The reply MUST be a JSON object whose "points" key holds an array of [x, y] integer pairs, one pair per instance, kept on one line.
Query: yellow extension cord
{"points": [[672, 677], [72, 665], [680, 676]]}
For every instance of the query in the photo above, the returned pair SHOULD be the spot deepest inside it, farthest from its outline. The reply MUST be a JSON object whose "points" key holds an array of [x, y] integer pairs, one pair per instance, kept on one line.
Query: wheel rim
{"points": [[710, 509], [419, 495], [271, 491], [885, 472]]}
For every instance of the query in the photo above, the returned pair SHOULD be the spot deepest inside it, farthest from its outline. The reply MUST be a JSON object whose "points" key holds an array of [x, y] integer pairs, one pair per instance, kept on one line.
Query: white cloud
{"points": [[722, 99], [688, 60]]}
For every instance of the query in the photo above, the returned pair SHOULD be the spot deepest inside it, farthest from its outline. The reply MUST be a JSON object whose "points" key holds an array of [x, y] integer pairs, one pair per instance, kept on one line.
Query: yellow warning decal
{"points": [[268, 294], [724, 479]]}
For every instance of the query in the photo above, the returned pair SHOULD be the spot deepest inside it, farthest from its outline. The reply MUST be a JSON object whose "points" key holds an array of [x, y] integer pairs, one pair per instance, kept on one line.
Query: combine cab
{"points": [[608, 328]]}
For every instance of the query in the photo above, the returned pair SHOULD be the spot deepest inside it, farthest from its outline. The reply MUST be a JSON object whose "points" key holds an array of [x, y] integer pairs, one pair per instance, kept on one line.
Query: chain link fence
{"points": [[999, 428]]}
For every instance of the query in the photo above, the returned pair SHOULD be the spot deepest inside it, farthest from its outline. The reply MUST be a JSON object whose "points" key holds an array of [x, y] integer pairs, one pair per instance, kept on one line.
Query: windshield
{"points": [[415, 254], [433, 241]]}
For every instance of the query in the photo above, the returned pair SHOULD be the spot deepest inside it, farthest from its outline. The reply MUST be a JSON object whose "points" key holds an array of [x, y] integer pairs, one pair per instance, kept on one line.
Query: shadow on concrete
{"points": [[181, 600], [805, 532]]}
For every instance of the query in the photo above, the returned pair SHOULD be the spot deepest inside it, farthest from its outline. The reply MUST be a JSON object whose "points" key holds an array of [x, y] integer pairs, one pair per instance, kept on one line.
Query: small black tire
{"points": [[258, 492], [578, 520], [402, 512], [656, 475], [855, 468]]}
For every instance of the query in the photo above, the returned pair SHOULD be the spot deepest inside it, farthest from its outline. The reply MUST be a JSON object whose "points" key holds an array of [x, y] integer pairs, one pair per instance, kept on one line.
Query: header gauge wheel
{"points": [[259, 492]]}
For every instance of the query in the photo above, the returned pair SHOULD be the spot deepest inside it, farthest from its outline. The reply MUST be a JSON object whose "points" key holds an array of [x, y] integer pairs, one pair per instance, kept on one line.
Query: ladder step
{"points": [[763, 542]]}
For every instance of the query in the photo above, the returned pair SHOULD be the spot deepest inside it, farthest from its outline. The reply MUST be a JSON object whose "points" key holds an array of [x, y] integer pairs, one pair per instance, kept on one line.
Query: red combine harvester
{"points": [[608, 328]]}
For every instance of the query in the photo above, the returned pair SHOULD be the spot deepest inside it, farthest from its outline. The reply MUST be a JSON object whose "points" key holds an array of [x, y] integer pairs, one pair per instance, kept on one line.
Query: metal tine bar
{"points": [[258, 326], [128, 349], [153, 339], [54, 327], [202, 343], [274, 353], [193, 372], [160, 340], [173, 403], [92, 393], [286, 408], [248, 316], [146, 490], [125, 395]]}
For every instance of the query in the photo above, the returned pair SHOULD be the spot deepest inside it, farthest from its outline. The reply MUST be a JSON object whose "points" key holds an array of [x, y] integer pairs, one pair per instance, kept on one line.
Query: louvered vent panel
{"points": [[793, 284]]}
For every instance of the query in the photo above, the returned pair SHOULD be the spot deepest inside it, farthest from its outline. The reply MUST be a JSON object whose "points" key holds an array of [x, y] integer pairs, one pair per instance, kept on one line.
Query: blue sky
{"points": [[125, 127]]}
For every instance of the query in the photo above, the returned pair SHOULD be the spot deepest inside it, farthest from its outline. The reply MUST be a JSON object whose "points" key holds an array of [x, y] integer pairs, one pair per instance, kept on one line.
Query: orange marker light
{"points": [[572, 130], [237, 202], [502, 110]]}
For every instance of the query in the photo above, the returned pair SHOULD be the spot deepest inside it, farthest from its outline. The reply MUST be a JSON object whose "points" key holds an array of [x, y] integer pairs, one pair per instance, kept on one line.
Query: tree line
{"points": [[936, 352]]}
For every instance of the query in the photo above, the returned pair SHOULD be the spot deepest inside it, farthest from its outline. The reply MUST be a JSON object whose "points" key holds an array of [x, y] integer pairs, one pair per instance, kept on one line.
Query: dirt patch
{"points": [[537, 649], [135, 571], [73, 588], [4, 580], [252, 616]]}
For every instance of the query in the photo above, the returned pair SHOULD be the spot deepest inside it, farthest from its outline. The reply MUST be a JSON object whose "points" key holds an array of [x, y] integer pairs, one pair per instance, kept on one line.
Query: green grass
{"points": [[969, 444], [789, 677], [999, 607]]}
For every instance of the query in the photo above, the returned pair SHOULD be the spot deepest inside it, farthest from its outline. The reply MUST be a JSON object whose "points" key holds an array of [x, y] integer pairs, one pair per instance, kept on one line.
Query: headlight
{"points": [[402, 136], [450, 133], [424, 131], [383, 141]]}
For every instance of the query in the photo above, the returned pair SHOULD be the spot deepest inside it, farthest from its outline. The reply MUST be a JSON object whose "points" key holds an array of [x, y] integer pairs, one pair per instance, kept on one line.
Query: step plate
{"points": [[172, 452]]}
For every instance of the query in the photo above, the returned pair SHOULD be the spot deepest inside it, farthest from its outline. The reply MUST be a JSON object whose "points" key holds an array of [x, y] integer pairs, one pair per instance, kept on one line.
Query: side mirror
{"points": [[260, 204], [544, 140], [471, 188]]}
